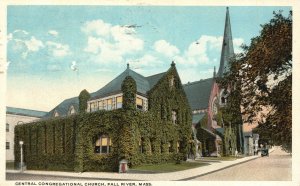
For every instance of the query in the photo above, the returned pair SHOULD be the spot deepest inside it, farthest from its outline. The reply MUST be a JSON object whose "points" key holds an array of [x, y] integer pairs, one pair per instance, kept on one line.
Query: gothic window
{"points": [[109, 104], [139, 103], [119, 102], [223, 100], [172, 81], [215, 106], [103, 144], [7, 127], [174, 117]]}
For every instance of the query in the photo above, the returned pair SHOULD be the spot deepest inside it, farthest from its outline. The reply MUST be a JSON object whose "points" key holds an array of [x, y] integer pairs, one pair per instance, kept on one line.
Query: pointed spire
{"points": [[227, 46], [215, 75]]}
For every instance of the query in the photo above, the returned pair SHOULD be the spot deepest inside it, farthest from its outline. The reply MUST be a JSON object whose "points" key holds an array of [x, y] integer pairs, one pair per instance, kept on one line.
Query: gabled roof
{"points": [[63, 108], [197, 117], [154, 79], [198, 93], [25, 112], [144, 84], [114, 86]]}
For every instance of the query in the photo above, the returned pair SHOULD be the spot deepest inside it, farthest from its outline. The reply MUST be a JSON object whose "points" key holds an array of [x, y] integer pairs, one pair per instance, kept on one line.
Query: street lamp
{"points": [[21, 146]]}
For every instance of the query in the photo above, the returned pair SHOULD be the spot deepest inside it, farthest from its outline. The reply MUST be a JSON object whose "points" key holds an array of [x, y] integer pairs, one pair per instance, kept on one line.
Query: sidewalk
{"points": [[171, 176]]}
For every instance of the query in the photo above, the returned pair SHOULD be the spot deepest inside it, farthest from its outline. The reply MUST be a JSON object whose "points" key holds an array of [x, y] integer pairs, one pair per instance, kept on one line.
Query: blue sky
{"points": [[56, 51]]}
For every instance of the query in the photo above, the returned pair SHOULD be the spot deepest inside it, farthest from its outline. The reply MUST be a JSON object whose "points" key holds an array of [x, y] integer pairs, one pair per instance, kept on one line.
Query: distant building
{"points": [[206, 97], [17, 116]]}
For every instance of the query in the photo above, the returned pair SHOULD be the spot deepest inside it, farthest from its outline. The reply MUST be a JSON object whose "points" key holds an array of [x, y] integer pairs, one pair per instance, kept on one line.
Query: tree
{"points": [[84, 96], [129, 93], [230, 114], [266, 73]]}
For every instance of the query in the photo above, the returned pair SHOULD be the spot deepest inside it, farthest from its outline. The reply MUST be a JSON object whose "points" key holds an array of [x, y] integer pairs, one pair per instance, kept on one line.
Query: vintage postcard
{"points": [[137, 93]]}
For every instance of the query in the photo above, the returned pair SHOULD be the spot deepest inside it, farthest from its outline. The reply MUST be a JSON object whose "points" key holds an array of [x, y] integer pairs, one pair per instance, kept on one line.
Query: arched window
{"points": [[174, 117], [171, 81], [223, 100], [103, 144]]}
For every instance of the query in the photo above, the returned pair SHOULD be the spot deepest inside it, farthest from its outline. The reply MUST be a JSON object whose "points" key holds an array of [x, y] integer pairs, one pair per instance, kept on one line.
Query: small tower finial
{"points": [[173, 64], [127, 65]]}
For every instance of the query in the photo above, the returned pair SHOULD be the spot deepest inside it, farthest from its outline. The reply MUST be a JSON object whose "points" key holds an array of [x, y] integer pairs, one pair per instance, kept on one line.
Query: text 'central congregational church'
{"points": [[141, 119]]}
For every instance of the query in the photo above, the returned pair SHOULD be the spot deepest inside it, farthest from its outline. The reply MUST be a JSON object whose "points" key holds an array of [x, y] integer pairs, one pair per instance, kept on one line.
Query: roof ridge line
{"points": [[194, 82]]}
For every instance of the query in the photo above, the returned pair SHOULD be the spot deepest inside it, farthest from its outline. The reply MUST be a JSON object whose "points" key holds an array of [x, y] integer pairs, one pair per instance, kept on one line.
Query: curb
{"points": [[128, 177]]}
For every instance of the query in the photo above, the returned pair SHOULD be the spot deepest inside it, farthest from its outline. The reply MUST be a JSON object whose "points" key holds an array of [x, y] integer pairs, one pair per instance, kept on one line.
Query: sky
{"points": [[54, 52]]}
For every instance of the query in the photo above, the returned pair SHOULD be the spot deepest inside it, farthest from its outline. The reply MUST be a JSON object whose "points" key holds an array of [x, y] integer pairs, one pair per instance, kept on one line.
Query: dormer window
{"points": [[55, 114], [71, 110]]}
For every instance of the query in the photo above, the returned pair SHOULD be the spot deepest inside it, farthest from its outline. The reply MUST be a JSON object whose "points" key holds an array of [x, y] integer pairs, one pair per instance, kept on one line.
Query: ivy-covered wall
{"points": [[168, 95], [140, 137]]}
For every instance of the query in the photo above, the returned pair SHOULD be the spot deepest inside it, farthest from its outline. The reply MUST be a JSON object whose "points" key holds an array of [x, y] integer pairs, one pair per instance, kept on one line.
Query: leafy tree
{"points": [[129, 93], [266, 74], [230, 114], [84, 96]]}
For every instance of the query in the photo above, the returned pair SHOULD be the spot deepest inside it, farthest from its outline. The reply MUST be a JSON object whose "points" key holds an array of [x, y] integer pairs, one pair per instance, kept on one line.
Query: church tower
{"points": [[227, 47]]}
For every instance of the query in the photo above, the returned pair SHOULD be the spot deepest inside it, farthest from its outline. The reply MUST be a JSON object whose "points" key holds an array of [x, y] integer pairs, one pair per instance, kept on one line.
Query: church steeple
{"points": [[227, 46]]}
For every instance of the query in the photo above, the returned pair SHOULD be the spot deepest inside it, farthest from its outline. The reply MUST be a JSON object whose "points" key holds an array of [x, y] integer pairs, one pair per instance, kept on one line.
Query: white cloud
{"points": [[58, 49], [21, 31], [165, 48], [33, 45], [9, 37], [198, 52], [110, 43], [237, 42], [53, 33]]}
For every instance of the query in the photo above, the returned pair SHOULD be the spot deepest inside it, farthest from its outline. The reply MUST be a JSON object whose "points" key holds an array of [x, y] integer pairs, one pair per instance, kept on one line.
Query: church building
{"points": [[206, 97]]}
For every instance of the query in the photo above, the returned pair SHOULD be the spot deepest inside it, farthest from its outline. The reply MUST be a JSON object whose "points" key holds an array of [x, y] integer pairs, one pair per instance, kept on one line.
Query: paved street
{"points": [[276, 167]]}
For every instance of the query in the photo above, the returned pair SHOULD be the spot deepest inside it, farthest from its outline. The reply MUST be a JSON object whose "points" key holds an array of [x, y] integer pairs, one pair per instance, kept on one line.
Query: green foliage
{"points": [[45, 148], [129, 93], [84, 96], [140, 137], [266, 71]]}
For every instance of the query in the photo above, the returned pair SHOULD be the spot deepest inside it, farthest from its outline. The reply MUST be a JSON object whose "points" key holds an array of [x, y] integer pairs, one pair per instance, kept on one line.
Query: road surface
{"points": [[276, 167]]}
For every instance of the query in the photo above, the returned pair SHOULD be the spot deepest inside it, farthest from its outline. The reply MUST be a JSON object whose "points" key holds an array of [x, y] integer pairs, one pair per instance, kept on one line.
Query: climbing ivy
{"points": [[140, 137], [84, 96], [129, 93]]}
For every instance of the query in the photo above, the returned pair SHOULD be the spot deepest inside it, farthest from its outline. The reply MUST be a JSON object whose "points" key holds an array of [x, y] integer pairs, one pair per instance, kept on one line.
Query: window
{"points": [[172, 81], [7, 127], [93, 106], [119, 101], [223, 100], [7, 145], [71, 110], [174, 117], [55, 114], [103, 145], [139, 103], [101, 105], [109, 104]]}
